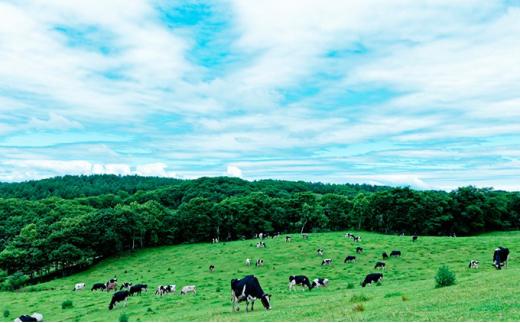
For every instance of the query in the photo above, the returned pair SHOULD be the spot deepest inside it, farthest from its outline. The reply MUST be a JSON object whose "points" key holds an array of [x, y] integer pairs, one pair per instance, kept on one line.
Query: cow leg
{"points": [[252, 304], [247, 306]]}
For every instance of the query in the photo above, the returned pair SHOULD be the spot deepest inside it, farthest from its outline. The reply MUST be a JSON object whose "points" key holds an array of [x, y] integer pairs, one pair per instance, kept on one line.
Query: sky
{"points": [[413, 93]]}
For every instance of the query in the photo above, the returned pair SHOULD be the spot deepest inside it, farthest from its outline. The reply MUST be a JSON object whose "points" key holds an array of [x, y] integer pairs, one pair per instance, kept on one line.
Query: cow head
{"points": [[266, 301]]}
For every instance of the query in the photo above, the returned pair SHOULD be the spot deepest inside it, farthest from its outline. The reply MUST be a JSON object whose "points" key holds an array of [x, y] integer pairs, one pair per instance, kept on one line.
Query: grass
{"points": [[407, 292]]}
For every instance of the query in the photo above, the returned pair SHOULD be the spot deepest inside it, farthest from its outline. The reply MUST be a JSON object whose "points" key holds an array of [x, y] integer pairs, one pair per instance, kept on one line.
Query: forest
{"points": [[54, 226]]}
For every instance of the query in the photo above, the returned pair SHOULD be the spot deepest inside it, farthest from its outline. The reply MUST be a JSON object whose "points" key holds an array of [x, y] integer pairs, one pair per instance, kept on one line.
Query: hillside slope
{"points": [[406, 294]]}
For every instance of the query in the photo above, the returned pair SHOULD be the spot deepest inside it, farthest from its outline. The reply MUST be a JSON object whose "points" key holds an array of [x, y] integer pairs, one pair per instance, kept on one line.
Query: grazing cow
{"points": [[359, 250], [372, 278], [357, 239], [248, 262], [288, 239], [119, 297], [138, 288], [248, 289], [111, 286], [500, 257], [78, 286], [380, 265], [98, 286], [214, 240], [326, 262], [473, 264], [320, 282], [414, 238], [35, 317], [395, 253], [211, 268], [259, 262], [349, 235], [350, 259], [320, 252], [385, 256], [300, 281], [165, 289], [260, 244], [305, 236], [125, 285], [188, 289]]}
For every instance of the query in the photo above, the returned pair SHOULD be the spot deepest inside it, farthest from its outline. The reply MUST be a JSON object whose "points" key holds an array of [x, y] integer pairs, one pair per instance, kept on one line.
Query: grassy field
{"points": [[406, 294]]}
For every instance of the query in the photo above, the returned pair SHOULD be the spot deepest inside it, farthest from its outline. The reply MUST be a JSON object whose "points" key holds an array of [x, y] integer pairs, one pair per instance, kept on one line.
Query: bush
{"points": [[350, 286], [123, 317], [14, 281], [445, 277], [358, 308], [67, 304], [6, 313]]}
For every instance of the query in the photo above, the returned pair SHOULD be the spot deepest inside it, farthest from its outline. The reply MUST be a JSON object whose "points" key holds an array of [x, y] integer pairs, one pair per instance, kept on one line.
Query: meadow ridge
{"points": [[407, 292]]}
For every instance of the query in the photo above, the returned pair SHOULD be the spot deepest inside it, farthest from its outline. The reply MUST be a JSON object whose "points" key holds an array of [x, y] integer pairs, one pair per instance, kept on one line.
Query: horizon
{"points": [[408, 94]]}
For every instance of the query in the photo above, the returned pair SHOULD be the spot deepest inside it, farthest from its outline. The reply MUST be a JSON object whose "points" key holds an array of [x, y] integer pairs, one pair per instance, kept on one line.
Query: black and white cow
{"points": [[299, 280], [248, 289], [125, 285], [473, 264], [288, 239], [380, 265], [350, 259], [320, 282], [260, 244], [214, 240], [100, 286], [500, 257], [385, 256], [348, 235], [372, 278], [119, 297], [211, 268], [357, 239], [359, 250], [259, 262], [326, 262], [78, 286], [320, 252], [35, 317], [165, 289], [414, 238], [395, 253], [138, 289]]}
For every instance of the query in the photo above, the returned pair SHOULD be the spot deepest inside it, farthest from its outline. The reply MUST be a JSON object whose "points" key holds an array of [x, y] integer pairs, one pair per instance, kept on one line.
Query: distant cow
{"points": [[35, 317], [248, 289], [138, 289], [357, 239], [500, 257], [348, 235], [97, 286], [385, 256], [259, 262], [414, 238], [473, 264], [320, 282], [260, 244], [359, 250], [188, 289], [299, 281], [248, 262], [288, 239], [214, 240], [119, 297], [211, 268], [320, 252], [305, 236], [165, 289], [372, 278], [395, 253], [326, 262], [380, 265], [111, 286], [125, 285], [78, 286], [350, 259]]}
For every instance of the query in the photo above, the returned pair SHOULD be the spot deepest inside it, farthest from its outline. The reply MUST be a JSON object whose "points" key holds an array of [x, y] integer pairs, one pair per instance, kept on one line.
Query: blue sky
{"points": [[409, 93]]}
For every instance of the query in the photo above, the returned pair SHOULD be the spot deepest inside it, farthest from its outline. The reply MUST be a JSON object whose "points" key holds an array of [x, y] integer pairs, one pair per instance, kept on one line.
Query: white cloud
{"points": [[233, 171]]}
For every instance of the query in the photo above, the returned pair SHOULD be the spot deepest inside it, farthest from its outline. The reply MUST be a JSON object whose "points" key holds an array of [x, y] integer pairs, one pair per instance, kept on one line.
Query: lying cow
{"points": [[98, 286], [119, 297], [380, 265], [326, 262], [248, 289], [473, 264], [35, 317], [188, 289], [372, 278], [395, 253], [350, 259], [260, 244], [299, 281], [138, 289], [78, 286], [359, 250], [500, 257], [165, 289], [320, 282], [259, 262]]}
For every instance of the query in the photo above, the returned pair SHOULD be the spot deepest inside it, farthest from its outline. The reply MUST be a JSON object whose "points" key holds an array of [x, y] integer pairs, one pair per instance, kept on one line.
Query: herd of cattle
{"points": [[248, 289]]}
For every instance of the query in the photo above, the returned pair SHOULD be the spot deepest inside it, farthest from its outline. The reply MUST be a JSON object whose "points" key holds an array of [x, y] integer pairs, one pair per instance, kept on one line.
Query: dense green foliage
{"points": [[61, 225], [444, 277], [407, 292]]}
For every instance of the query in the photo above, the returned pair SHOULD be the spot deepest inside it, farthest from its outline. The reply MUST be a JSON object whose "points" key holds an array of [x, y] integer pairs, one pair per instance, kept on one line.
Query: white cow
{"points": [[248, 262], [78, 286], [188, 289], [37, 316]]}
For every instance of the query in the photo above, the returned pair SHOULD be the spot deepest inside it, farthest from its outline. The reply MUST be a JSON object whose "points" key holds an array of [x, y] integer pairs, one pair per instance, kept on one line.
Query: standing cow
{"points": [[248, 289], [500, 257]]}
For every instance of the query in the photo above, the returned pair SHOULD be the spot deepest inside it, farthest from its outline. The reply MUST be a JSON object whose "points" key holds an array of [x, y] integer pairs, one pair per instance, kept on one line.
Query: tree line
{"points": [[60, 224]]}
